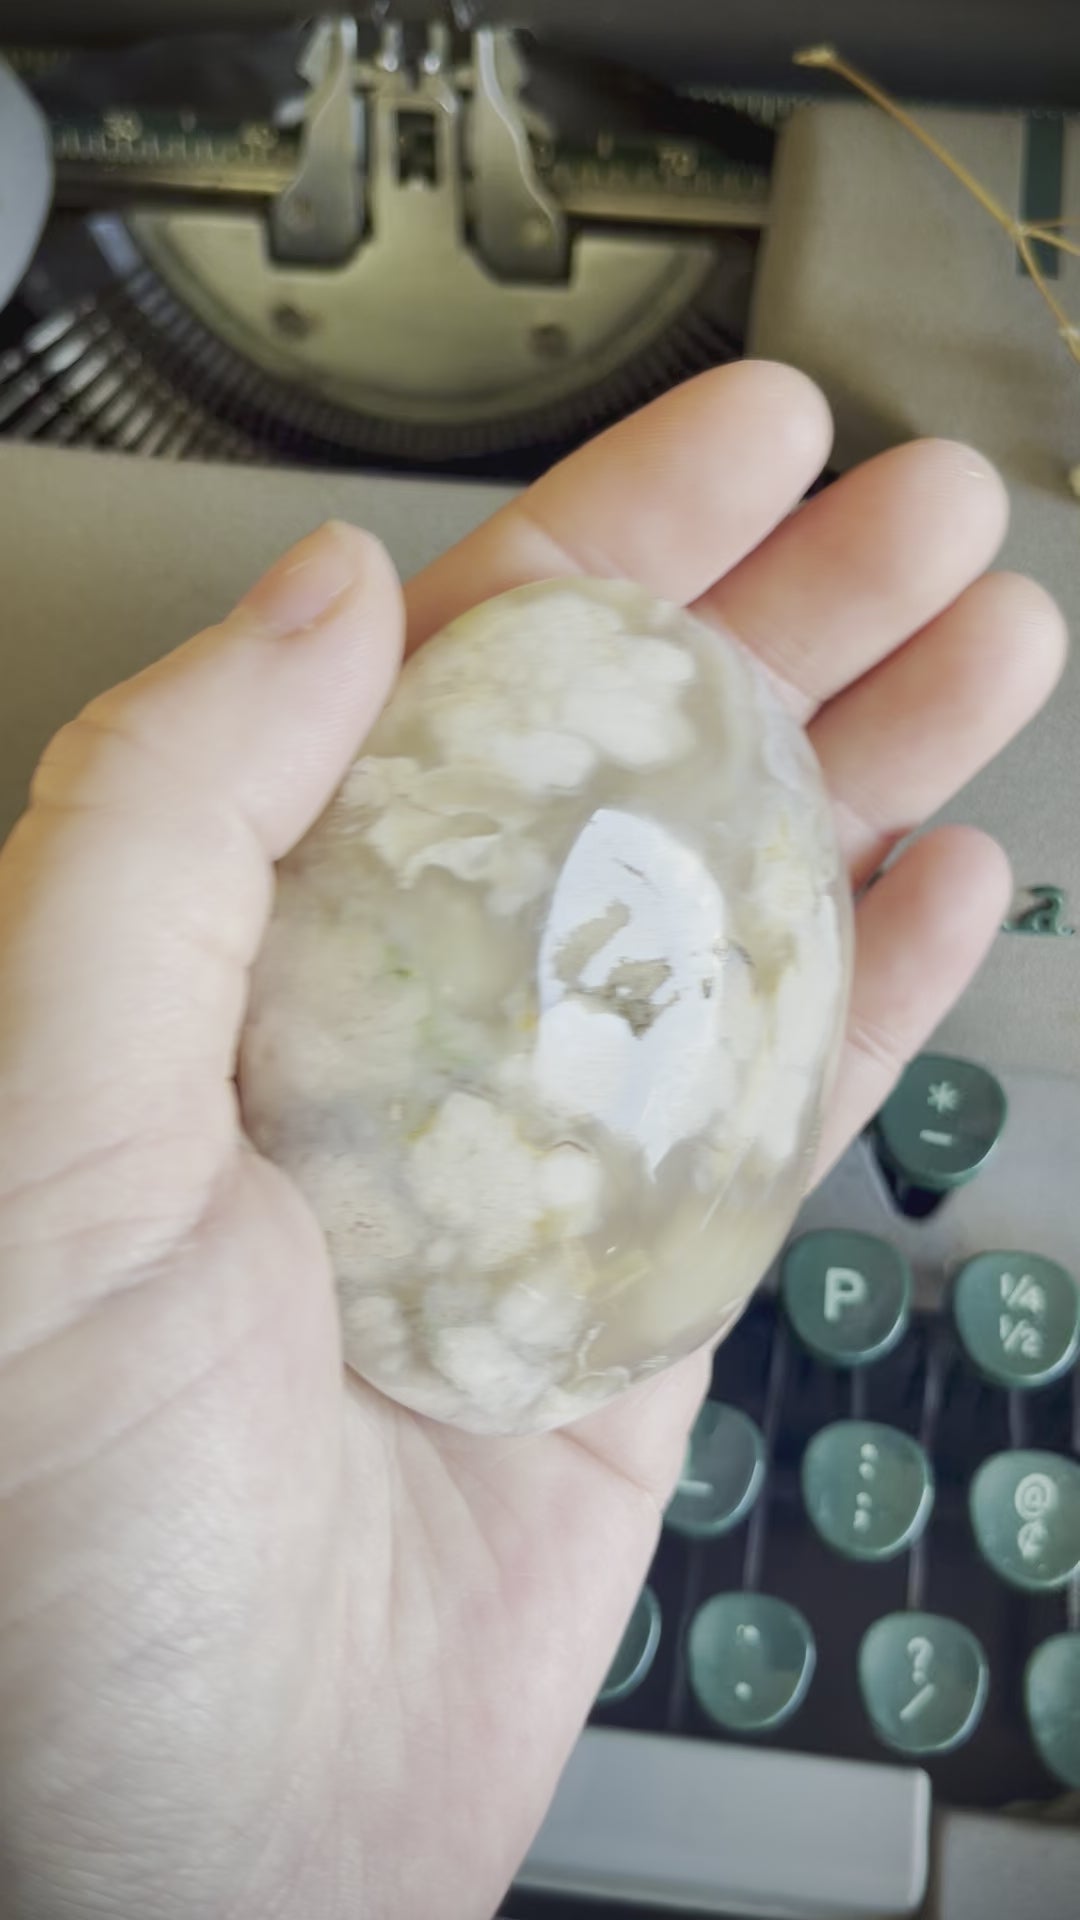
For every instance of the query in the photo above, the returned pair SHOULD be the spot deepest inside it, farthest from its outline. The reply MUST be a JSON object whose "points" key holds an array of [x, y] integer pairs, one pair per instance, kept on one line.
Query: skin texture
{"points": [[270, 1645]]}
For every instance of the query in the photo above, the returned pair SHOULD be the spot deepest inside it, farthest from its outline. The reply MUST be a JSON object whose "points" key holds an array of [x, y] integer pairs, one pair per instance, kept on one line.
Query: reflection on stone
{"points": [[549, 1002]]}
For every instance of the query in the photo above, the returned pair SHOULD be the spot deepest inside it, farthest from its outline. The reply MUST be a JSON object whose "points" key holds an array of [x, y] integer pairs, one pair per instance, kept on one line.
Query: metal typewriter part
{"points": [[407, 249]]}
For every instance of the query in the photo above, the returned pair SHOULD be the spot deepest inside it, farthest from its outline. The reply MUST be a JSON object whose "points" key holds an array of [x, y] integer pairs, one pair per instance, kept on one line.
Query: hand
{"points": [[268, 1644]]}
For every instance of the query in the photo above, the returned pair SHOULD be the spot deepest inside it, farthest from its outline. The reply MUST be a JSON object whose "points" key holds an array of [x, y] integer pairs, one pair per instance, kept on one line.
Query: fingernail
{"points": [[305, 585]]}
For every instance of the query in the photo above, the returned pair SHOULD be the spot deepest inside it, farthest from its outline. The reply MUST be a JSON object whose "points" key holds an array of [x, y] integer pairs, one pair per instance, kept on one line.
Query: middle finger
{"points": [[670, 497]]}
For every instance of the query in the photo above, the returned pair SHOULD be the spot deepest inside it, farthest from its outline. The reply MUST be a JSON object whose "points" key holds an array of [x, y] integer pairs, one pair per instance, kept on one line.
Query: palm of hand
{"points": [[268, 1643]]}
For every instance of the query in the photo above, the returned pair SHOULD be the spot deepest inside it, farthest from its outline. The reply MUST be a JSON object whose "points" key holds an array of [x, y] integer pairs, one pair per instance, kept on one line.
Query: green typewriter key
{"points": [[1052, 1700], [722, 1474], [847, 1295], [1018, 1316], [942, 1122], [636, 1651], [924, 1681], [1025, 1511], [751, 1659], [868, 1488]]}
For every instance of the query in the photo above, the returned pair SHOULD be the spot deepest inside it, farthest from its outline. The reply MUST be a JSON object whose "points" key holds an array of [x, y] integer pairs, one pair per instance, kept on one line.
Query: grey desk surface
{"points": [[107, 561], [882, 280]]}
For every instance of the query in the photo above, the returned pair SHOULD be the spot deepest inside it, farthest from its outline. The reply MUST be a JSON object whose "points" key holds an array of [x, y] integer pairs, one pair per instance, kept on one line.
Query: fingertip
{"points": [[959, 472], [306, 587], [774, 403], [369, 558], [958, 884], [979, 861], [963, 458], [261, 714], [375, 598], [924, 931], [921, 936], [796, 398], [371, 610], [1036, 625]]}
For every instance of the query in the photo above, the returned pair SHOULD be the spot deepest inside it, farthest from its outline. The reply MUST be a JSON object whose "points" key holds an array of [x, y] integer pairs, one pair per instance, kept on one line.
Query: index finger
{"points": [[671, 497]]}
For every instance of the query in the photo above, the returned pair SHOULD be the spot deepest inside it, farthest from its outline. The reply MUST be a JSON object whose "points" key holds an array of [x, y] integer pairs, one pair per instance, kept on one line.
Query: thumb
{"points": [[135, 890]]}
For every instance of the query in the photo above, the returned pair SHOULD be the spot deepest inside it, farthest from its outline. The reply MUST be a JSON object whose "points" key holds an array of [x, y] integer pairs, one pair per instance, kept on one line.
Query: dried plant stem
{"points": [[1024, 234]]}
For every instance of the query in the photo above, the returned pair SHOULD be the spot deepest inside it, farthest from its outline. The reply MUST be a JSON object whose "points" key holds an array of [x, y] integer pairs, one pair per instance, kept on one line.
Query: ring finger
{"points": [[896, 745]]}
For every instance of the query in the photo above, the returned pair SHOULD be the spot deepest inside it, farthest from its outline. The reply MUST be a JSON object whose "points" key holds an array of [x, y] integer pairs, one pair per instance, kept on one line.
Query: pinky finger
{"points": [[920, 935]]}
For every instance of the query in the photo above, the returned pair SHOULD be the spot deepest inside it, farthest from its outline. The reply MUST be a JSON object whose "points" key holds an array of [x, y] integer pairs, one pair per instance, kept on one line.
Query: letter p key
{"points": [[844, 1287], [847, 1295]]}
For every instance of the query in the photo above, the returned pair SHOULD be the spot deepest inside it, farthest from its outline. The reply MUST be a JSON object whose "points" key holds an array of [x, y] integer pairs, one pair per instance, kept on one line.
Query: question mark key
{"points": [[924, 1680]]}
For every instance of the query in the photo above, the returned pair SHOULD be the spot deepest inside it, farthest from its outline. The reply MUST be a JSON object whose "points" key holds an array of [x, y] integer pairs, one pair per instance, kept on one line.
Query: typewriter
{"points": [[391, 263]]}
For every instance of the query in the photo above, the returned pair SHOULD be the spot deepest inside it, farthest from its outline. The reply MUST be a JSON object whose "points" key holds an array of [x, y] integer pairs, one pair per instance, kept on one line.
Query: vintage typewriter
{"points": [[257, 266]]}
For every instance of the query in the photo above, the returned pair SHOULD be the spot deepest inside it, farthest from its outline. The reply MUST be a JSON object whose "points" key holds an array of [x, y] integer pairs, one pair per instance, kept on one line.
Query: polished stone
{"points": [[549, 1003]]}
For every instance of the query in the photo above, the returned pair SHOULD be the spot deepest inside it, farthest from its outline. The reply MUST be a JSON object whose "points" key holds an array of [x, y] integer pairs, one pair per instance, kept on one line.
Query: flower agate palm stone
{"points": [[549, 1004]]}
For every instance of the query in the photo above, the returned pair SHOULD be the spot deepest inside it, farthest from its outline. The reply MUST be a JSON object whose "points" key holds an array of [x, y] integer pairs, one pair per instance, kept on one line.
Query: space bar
{"points": [[651, 1820]]}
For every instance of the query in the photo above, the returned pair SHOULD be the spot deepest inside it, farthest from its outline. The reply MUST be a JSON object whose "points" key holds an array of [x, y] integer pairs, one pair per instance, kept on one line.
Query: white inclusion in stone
{"points": [[476, 1178], [480, 1364], [543, 761], [631, 712], [541, 1314], [544, 697], [631, 985]]}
